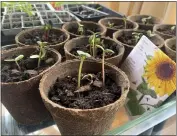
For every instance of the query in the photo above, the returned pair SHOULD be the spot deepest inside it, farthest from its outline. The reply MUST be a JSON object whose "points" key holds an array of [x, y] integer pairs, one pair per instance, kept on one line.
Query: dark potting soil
{"points": [[107, 45], [94, 96], [121, 26], [168, 31], [130, 39], [29, 69], [51, 39], [86, 32]]}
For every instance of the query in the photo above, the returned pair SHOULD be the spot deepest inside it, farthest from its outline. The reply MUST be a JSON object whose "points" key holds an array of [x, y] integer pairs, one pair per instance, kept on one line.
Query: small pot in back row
{"points": [[129, 39], [55, 37], [166, 31], [145, 22], [114, 24], [72, 28]]}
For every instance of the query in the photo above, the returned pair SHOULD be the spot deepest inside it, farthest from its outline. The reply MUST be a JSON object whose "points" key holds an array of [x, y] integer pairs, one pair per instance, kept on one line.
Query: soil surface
{"points": [[106, 44], [11, 73], [52, 38], [86, 31], [121, 26], [168, 31], [64, 92], [130, 39]]}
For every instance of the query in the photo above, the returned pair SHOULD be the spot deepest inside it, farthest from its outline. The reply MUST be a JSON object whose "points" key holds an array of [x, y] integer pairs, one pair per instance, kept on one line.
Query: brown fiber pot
{"points": [[168, 44], [116, 21], [83, 121], [85, 40], [162, 26], [19, 38], [137, 19], [157, 40], [22, 99], [88, 24]]}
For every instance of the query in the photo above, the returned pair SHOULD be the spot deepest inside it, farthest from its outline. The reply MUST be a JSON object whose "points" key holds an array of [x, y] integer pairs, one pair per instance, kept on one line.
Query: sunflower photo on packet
{"points": [[152, 76]]}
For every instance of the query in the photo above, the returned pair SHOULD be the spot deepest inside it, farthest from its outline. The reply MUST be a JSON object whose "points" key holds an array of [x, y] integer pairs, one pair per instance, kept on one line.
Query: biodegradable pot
{"points": [[88, 24], [116, 21], [157, 40], [83, 121], [137, 19], [22, 99], [163, 26], [19, 38], [84, 40], [168, 45]]}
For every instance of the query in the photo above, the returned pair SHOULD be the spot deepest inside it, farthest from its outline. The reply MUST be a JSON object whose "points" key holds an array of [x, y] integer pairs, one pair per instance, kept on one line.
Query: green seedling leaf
{"points": [[110, 24], [150, 34], [143, 20], [99, 46], [39, 42], [88, 76], [109, 51], [34, 56], [19, 57], [9, 60], [173, 27], [97, 40], [149, 17], [81, 53]]}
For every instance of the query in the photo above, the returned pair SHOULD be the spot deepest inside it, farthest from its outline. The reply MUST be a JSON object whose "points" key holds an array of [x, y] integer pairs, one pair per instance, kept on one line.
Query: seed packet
{"points": [[152, 76]]}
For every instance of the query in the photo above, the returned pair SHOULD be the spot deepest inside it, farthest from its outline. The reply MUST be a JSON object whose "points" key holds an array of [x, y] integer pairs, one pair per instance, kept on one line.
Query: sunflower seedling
{"points": [[137, 36], [18, 58], [146, 20], [80, 28], [93, 40], [150, 34], [47, 28], [104, 51], [82, 56], [42, 52], [111, 25]]}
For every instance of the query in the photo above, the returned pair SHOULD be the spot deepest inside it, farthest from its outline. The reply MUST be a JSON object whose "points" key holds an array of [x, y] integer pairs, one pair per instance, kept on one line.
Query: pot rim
{"points": [[84, 22], [117, 18], [121, 47], [121, 31], [40, 74], [136, 15], [167, 44], [157, 26], [55, 105], [40, 28]]}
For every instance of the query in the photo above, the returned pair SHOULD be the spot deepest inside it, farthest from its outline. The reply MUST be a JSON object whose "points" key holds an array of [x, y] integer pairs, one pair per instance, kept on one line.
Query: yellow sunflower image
{"points": [[160, 73]]}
